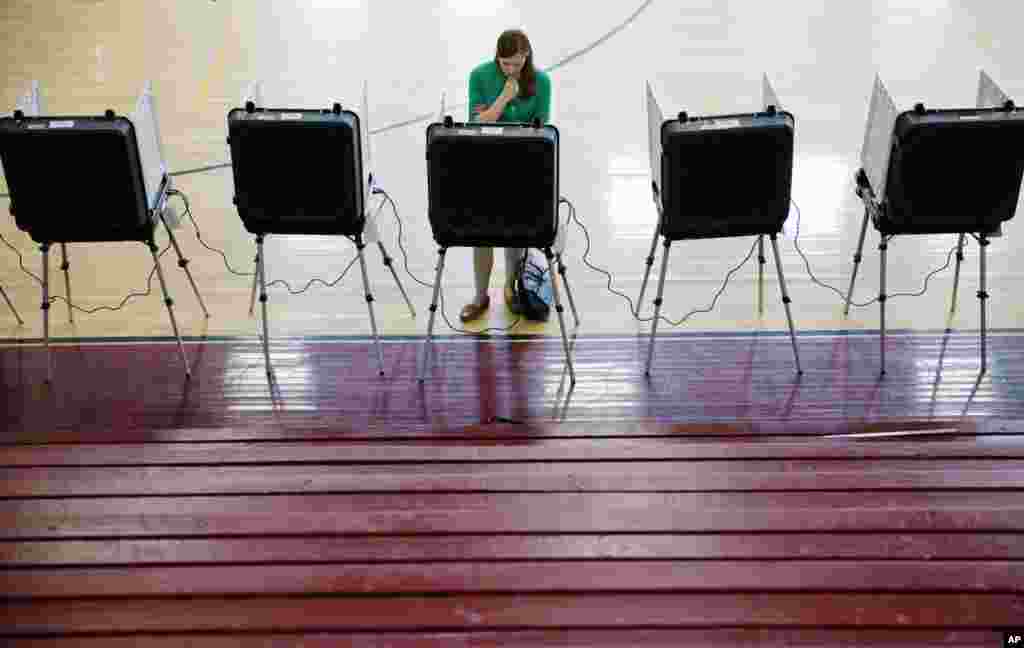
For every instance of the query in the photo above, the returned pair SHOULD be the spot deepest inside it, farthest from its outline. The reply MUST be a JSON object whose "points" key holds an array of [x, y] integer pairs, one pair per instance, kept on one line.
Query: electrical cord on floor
{"points": [[276, 282], [199, 235], [810, 273], [444, 315], [401, 246], [632, 308], [314, 280], [21, 260], [485, 331], [97, 309], [124, 302]]}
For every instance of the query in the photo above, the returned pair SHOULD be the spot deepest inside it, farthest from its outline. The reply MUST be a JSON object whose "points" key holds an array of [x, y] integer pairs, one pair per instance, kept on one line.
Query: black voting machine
{"points": [[728, 175], [57, 164], [493, 185], [300, 171], [297, 171], [721, 176], [954, 171]]}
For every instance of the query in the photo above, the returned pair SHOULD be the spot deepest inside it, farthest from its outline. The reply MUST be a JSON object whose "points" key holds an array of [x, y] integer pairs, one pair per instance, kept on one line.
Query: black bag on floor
{"points": [[533, 287]]}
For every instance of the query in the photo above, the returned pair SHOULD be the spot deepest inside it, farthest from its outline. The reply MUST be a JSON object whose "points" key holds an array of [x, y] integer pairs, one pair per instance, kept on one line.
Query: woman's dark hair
{"points": [[510, 43]]}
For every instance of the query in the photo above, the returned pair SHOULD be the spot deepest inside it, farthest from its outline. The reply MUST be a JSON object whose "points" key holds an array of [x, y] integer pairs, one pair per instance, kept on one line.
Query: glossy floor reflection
{"points": [[334, 386]]}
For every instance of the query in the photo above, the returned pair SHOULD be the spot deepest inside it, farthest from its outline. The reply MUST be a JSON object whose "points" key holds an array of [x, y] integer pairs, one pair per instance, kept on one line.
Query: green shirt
{"points": [[486, 83]]}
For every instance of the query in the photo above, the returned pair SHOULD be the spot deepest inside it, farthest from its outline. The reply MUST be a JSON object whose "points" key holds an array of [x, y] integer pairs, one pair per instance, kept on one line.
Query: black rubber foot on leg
{"points": [[883, 372], [382, 373], [799, 372], [188, 375]]}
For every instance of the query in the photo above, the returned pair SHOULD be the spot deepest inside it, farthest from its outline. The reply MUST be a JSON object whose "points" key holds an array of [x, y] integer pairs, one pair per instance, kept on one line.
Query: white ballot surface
{"points": [[874, 155], [151, 154], [30, 103], [990, 95], [768, 96], [655, 118]]}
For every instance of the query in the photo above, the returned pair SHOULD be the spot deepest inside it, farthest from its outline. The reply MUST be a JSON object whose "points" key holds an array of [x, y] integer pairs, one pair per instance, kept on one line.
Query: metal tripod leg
{"points": [[956, 272], [369, 303], [183, 264], [561, 379], [647, 271], [170, 305], [255, 282], [785, 302], [66, 267], [568, 291], [389, 262], [424, 353], [856, 261], [982, 298], [45, 306], [261, 275], [657, 306], [760, 274], [883, 247], [561, 316], [10, 305]]}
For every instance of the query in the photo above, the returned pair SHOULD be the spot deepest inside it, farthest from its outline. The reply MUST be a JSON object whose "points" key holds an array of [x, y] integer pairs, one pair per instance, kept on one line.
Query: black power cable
{"points": [[227, 264], [444, 315], [632, 308], [810, 273], [89, 311]]}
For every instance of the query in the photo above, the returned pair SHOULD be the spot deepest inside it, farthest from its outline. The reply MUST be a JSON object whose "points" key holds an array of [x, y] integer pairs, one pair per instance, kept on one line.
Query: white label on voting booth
{"points": [[491, 130], [62, 124], [720, 124], [291, 116]]}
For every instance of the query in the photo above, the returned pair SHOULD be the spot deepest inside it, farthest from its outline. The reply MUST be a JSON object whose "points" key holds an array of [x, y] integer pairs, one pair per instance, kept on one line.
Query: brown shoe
{"points": [[474, 309]]}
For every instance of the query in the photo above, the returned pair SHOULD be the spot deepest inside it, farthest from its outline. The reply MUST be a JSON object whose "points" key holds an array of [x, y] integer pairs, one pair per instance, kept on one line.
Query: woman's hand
{"points": [[511, 89], [492, 113]]}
